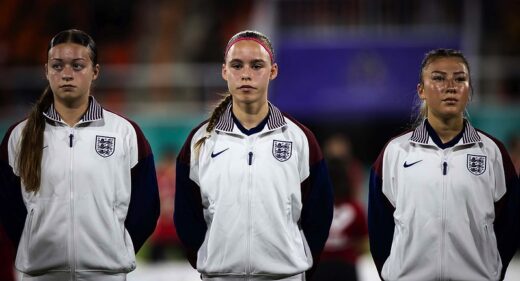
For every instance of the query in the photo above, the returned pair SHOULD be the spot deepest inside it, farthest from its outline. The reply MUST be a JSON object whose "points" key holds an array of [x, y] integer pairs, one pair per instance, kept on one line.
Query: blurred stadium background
{"points": [[347, 67]]}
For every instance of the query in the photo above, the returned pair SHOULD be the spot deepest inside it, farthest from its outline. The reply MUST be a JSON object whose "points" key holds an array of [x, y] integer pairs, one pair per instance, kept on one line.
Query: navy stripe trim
{"points": [[225, 122], [52, 114], [275, 119], [420, 134], [470, 135], [94, 112]]}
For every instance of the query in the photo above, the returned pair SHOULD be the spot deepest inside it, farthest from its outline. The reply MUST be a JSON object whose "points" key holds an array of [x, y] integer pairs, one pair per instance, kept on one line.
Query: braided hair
{"points": [[221, 107]]}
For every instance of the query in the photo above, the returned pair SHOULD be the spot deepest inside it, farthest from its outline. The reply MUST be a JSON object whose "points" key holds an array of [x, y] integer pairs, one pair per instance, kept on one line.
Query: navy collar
{"points": [[437, 140], [422, 135], [94, 112], [274, 119], [251, 131]]}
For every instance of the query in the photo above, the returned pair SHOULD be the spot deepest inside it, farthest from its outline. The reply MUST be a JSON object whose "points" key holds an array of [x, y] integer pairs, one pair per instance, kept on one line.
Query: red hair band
{"points": [[249, 38]]}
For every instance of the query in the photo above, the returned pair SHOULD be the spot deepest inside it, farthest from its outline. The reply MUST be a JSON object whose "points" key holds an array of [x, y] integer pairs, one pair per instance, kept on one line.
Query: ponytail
{"points": [[31, 151], [420, 113], [212, 122]]}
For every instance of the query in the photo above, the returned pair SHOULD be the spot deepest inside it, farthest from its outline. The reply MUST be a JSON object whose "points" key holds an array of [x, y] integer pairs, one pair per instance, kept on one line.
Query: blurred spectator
{"points": [[6, 257], [348, 233], [338, 148], [165, 237], [514, 151]]}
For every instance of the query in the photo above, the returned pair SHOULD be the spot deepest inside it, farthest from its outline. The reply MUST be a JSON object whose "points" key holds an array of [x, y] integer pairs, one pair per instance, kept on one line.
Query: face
{"points": [[70, 73], [445, 88], [248, 70]]}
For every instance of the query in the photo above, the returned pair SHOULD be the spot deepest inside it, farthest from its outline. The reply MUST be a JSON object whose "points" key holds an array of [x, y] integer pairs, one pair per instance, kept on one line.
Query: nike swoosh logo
{"points": [[411, 164], [213, 155]]}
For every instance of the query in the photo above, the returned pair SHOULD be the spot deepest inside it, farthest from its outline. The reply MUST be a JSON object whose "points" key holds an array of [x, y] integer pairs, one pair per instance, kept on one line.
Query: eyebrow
{"points": [[444, 73], [252, 61], [58, 59]]}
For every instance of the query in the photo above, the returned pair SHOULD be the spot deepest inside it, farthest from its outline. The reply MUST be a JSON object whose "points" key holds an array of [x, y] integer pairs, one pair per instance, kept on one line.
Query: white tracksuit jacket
{"points": [[247, 205], [443, 211], [97, 203]]}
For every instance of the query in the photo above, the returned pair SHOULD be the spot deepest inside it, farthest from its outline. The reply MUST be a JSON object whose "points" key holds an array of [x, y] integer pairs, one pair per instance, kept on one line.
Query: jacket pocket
{"points": [[44, 243], [29, 230], [105, 247], [394, 263], [491, 256]]}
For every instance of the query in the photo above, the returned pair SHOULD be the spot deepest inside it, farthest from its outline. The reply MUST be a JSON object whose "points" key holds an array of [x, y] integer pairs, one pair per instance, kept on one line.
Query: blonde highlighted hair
{"points": [[420, 107]]}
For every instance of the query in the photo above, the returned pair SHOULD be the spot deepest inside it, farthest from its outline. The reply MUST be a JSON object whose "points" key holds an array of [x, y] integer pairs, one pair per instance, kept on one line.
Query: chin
{"points": [[71, 97], [452, 115]]}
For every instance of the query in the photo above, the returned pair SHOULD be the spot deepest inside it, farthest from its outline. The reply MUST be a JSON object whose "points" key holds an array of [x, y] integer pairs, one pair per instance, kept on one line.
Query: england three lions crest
{"points": [[476, 164], [282, 150], [105, 146]]}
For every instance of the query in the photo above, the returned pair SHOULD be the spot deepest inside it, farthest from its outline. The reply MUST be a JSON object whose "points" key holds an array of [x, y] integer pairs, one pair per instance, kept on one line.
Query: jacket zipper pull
{"points": [[444, 168], [250, 158], [70, 139]]}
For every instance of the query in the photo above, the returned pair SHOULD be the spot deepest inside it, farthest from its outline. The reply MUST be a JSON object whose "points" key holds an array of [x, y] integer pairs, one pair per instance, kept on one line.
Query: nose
{"points": [[246, 74], [450, 86], [67, 73]]}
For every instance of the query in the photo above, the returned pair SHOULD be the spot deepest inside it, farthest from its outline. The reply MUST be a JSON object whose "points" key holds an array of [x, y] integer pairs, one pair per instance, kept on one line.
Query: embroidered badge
{"points": [[282, 150], [105, 146], [476, 164]]}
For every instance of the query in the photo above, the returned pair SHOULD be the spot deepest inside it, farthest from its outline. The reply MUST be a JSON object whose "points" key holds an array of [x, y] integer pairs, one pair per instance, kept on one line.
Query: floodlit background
{"points": [[347, 68]]}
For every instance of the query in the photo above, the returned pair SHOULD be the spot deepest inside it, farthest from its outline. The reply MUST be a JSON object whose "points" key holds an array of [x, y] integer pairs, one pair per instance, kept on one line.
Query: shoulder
{"points": [[300, 129], [492, 144], [15, 131], [120, 121], [393, 145], [16, 128], [196, 133], [498, 151], [490, 140], [400, 139], [126, 126]]}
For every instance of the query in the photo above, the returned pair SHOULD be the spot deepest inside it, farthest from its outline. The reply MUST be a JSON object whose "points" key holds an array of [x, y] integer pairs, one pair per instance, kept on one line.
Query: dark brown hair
{"points": [[31, 149]]}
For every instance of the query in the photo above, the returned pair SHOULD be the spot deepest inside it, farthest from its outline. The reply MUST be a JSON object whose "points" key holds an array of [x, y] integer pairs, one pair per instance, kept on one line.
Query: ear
{"points": [[224, 72], [274, 71], [96, 72], [420, 91], [46, 72]]}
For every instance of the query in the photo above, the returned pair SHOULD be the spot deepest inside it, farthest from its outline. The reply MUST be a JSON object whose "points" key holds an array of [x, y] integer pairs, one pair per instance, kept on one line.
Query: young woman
{"points": [[443, 201], [253, 198], [79, 193]]}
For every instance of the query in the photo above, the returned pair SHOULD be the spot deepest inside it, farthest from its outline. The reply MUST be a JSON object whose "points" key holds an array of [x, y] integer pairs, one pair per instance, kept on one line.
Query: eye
{"points": [[78, 66], [257, 65], [56, 66], [438, 78], [461, 79], [235, 65]]}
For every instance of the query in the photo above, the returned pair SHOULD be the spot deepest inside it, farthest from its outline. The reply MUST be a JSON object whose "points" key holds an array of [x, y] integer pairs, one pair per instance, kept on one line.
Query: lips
{"points": [[67, 87], [246, 87]]}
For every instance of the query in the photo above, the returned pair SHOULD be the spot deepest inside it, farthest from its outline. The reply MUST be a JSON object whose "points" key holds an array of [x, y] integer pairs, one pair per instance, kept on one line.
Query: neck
{"points": [[71, 112], [447, 128], [250, 115]]}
